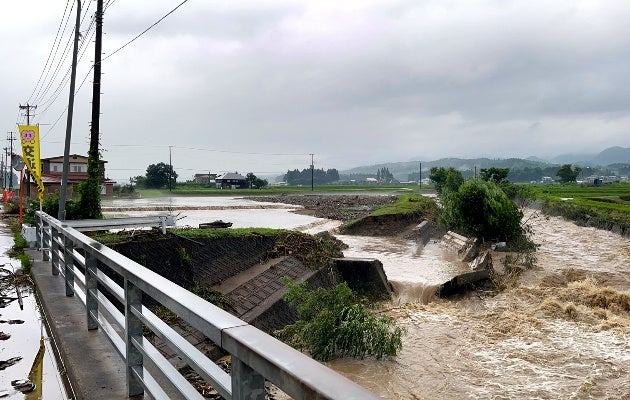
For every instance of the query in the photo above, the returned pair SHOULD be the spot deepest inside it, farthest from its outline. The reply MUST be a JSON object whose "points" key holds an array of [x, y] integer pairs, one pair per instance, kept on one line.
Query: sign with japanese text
{"points": [[29, 137]]}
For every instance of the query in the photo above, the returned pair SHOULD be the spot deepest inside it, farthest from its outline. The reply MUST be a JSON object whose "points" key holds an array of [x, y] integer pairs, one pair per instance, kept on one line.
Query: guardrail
{"points": [[256, 356]]}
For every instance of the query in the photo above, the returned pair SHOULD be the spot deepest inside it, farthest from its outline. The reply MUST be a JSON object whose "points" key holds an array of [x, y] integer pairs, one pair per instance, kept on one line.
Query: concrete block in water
{"points": [[423, 230], [481, 270], [466, 248], [363, 275]]}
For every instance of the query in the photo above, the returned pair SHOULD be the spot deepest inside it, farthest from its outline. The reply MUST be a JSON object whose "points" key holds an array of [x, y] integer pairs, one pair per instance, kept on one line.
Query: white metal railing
{"points": [[256, 356]]}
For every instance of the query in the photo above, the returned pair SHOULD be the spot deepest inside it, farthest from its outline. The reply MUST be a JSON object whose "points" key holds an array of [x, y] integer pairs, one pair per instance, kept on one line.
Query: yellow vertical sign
{"points": [[29, 137]]}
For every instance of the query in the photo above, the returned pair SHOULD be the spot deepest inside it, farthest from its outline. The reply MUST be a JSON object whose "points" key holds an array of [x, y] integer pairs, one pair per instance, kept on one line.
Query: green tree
{"points": [[566, 174], [481, 209], [446, 179], [254, 182], [332, 323], [158, 175], [496, 175]]}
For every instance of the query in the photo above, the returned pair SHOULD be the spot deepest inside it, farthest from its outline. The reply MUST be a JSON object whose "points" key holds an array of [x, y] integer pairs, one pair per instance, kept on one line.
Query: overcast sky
{"points": [[257, 85]]}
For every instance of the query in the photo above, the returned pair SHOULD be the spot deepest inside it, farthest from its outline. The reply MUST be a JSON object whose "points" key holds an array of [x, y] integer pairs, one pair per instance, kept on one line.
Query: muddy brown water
{"points": [[559, 333], [563, 331]]}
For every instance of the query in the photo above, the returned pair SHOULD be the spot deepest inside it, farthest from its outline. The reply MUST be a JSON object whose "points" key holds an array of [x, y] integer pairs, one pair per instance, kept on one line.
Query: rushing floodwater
{"points": [[559, 333], [544, 339]]}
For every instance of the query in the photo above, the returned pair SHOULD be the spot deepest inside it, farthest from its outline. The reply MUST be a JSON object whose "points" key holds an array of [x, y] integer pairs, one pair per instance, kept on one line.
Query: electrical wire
{"points": [[50, 53], [41, 98], [39, 93], [145, 31], [50, 101]]}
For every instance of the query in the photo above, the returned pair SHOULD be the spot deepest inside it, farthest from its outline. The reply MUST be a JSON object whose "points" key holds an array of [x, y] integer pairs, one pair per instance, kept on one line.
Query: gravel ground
{"points": [[338, 207]]}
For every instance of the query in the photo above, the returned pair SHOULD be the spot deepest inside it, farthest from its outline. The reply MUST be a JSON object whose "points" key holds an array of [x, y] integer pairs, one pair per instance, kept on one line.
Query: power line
{"points": [[51, 51], [145, 31], [40, 94], [51, 100]]}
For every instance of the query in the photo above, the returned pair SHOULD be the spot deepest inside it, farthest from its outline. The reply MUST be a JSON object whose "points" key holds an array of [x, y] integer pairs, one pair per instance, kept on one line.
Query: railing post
{"points": [[91, 303], [38, 233], [54, 250], [68, 262], [45, 241], [246, 383], [133, 329]]}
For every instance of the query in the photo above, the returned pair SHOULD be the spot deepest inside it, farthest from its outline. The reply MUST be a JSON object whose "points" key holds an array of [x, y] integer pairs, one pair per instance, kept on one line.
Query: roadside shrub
{"points": [[50, 206], [481, 209], [332, 323]]}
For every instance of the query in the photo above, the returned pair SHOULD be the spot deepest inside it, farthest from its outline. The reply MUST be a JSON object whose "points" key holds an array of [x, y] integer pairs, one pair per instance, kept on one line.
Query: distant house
{"points": [[204, 179], [230, 180], [52, 170]]}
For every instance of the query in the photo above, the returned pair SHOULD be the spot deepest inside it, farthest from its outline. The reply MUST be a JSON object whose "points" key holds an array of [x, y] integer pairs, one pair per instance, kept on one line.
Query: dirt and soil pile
{"points": [[338, 207]]}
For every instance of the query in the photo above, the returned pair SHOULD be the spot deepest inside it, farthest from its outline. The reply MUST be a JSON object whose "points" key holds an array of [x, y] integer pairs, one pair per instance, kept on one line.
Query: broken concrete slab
{"points": [[466, 248], [364, 275], [481, 268]]}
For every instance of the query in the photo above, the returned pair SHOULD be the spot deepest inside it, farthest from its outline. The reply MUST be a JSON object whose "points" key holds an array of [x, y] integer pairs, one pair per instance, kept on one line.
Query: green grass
{"points": [[19, 244], [408, 204], [605, 206], [195, 233], [192, 233]]}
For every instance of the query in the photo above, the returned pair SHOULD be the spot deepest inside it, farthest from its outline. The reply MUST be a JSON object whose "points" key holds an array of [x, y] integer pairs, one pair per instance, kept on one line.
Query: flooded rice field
{"points": [[562, 331], [25, 340]]}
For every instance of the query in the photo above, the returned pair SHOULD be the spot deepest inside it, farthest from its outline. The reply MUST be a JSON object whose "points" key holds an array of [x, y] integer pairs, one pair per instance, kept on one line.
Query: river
{"points": [[562, 331]]}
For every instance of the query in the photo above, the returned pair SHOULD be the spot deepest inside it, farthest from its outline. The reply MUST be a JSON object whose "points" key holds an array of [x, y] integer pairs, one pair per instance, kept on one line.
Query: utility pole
{"points": [[96, 86], [28, 107], [4, 168], [312, 173], [90, 201], [420, 178], [170, 168], [10, 161], [66, 151]]}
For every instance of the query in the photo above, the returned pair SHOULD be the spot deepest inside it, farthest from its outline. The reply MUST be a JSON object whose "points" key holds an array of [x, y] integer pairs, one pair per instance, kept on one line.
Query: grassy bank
{"points": [[604, 207], [19, 244], [408, 206]]}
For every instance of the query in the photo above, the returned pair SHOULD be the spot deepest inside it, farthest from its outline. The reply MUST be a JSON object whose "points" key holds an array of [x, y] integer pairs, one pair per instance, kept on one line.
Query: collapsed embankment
{"points": [[242, 270], [397, 219]]}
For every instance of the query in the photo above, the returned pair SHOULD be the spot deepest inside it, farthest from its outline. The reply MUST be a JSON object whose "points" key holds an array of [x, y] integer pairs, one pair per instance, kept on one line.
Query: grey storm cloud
{"points": [[360, 82]]}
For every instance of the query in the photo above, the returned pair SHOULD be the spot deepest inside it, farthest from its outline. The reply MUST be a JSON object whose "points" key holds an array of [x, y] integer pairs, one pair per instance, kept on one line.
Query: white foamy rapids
{"points": [[413, 292]]}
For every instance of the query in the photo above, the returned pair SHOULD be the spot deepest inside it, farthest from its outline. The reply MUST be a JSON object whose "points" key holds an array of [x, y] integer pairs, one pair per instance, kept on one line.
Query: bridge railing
{"points": [[114, 305]]}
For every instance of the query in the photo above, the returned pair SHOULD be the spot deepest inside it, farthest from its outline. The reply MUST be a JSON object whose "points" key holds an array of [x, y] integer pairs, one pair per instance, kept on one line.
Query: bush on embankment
{"points": [[483, 210], [409, 208]]}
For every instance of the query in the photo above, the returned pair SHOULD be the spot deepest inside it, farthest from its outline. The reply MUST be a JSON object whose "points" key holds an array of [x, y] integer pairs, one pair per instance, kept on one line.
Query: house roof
{"points": [[231, 175], [72, 157]]}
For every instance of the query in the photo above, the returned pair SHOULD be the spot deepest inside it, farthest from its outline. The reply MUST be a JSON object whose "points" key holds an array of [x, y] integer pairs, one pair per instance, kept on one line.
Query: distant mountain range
{"points": [[401, 170]]}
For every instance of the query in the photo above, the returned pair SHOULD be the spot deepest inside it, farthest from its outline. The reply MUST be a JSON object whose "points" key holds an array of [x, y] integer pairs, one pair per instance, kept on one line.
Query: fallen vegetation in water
{"points": [[334, 323], [314, 251]]}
